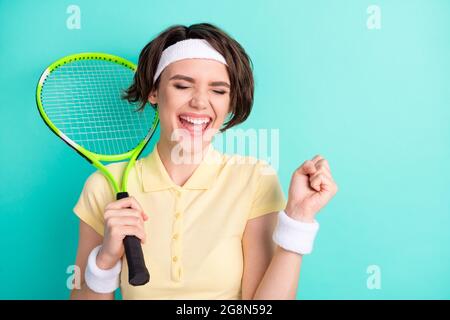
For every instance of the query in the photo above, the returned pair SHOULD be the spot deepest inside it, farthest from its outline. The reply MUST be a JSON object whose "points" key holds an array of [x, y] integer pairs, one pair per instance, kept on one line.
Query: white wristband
{"points": [[294, 235], [99, 280]]}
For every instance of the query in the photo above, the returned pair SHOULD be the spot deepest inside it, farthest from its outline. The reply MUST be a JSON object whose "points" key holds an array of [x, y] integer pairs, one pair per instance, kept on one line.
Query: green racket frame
{"points": [[95, 158]]}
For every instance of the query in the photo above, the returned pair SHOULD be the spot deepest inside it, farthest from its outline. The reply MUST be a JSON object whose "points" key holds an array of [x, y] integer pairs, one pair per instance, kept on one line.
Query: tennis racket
{"points": [[79, 97]]}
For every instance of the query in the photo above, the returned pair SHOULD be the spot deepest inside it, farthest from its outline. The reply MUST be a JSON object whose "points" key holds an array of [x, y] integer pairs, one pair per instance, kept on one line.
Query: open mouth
{"points": [[195, 125]]}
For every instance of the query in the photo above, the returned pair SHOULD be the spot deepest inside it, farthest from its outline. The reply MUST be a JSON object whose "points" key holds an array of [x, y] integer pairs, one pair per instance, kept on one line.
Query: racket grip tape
{"points": [[138, 274]]}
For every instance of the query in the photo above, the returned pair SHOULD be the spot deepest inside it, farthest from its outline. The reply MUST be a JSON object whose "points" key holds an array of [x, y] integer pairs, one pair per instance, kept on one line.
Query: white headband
{"points": [[187, 49]]}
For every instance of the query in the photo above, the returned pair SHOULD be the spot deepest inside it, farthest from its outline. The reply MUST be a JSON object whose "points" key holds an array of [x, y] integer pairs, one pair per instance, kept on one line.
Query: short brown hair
{"points": [[239, 67]]}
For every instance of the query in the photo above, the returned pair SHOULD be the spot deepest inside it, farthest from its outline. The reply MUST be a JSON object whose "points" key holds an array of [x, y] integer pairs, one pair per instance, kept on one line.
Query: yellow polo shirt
{"points": [[194, 232]]}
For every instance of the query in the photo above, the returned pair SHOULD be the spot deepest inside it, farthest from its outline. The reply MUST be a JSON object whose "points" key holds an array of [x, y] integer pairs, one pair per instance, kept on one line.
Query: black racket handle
{"points": [[138, 274]]}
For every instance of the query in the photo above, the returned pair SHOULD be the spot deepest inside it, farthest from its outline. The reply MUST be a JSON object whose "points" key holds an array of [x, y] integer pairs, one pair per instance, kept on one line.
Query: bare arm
{"points": [[280, 281], [311, 188], [270, 272], [88, 240], [122, 217]]}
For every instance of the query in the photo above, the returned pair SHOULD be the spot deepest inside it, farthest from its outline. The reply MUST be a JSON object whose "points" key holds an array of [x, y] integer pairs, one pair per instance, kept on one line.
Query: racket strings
{"points": [[83, 100]]}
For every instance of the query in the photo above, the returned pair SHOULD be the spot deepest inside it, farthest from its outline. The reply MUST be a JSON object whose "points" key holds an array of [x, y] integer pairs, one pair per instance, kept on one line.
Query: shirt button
{"points": [[175, 259], [177, 215], [175, 236]]}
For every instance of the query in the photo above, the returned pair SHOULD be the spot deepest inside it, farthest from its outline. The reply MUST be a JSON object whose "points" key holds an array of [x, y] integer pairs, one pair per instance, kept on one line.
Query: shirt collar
{"points": [[155, 176]]}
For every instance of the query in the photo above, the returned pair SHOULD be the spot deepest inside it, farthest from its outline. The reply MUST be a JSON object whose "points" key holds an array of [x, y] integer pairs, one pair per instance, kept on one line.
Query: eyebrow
{"points": [[189, 79]]}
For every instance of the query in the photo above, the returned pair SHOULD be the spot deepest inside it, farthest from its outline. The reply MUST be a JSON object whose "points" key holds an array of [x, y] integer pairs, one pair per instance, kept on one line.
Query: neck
{"points": [[179, 172]]}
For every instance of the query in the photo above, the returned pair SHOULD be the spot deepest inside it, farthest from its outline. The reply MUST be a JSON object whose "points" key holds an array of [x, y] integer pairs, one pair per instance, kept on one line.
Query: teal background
{"points": [[374, 103]]}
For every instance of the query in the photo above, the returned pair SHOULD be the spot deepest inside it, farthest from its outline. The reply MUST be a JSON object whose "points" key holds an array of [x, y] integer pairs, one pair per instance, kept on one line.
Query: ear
{"points": [[153, 97]]}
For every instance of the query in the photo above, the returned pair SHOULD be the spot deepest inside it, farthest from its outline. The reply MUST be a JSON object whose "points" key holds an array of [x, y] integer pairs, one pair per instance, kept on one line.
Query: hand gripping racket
{"points": [[80, 99]]}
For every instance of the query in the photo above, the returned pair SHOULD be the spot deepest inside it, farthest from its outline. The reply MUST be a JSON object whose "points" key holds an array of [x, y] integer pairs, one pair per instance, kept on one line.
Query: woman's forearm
{"points": [[281, 278], [84, 293], [311, 188]]}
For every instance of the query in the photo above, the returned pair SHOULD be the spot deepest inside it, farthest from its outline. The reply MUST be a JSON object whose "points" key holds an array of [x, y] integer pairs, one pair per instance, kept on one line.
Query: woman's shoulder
{"points": [[245, 164]]}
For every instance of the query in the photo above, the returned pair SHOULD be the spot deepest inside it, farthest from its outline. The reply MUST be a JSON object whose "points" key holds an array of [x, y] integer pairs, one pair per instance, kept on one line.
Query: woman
{"points": [[207, 221]]}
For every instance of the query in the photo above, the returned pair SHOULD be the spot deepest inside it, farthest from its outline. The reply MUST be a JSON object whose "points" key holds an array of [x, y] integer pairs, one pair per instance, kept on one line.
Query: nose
{"points": [[199, 100]]}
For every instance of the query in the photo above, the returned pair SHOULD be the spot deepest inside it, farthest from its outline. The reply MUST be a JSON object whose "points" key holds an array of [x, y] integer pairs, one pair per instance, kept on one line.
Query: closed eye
{"points": [[183, 87]]}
